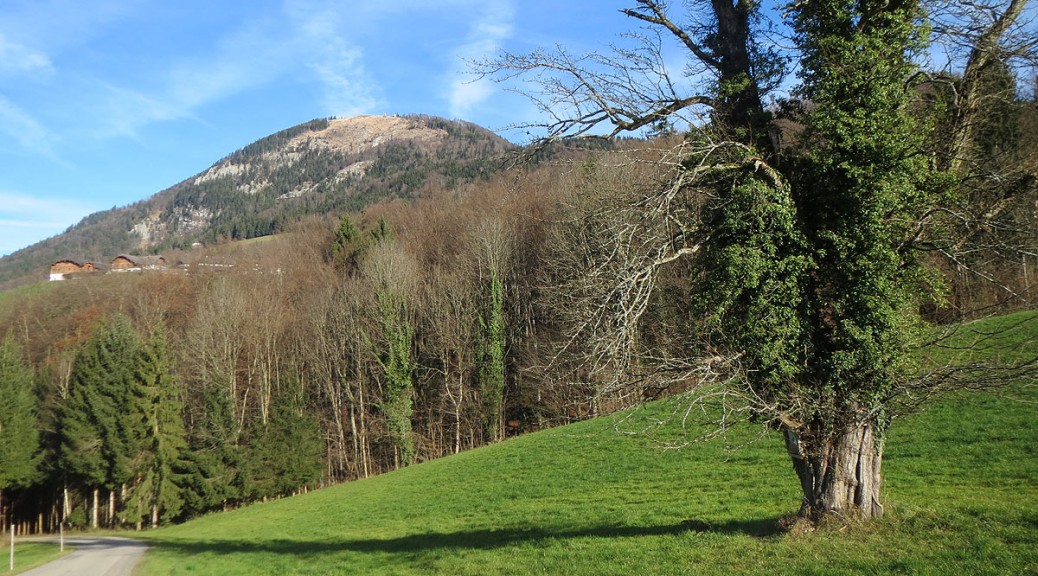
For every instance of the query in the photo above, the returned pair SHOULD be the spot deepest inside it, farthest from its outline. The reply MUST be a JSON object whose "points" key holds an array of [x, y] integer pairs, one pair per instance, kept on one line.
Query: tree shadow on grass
{"points": [[473, 540]]}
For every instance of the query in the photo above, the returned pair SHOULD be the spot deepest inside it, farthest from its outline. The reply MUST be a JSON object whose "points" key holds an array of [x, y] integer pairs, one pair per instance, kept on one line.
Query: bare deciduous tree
{"points": [[804, 255]]}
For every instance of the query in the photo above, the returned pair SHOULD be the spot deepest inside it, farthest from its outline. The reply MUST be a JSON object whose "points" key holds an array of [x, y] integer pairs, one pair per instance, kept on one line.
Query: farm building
{"points": [[127, 263], [67, 268]]}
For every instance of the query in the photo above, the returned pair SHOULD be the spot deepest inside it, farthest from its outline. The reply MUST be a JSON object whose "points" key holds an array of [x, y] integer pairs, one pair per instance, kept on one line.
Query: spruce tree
{"points": [[348, 246], [19, 438], [156, 493], [102, 426], [212, 466], [82, 443], [286, 453]]}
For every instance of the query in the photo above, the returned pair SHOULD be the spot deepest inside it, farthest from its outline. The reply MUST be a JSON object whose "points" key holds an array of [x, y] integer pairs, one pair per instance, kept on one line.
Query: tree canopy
{"points": [[19, 433], [805, 226]]}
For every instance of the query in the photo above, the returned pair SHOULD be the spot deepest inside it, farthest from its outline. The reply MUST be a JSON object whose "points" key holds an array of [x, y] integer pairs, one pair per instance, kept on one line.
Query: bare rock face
{"points": [[353, 135], [348, 136]]}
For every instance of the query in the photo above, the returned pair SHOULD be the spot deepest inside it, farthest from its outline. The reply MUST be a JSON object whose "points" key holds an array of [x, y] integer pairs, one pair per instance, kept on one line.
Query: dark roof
{"points": [[79, 261], [141, 260]]}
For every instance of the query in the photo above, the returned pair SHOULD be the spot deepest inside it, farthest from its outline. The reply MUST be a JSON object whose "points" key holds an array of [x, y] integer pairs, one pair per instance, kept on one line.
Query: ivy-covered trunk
{"points": [[492, 360], [840, 472]]}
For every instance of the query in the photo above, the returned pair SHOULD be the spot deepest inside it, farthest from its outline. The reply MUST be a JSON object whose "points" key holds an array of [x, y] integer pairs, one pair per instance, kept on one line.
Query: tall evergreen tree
{"points": [[102, 427], [19, 438], [286, 453], [156, 493], [348, 246], [212, 475]]}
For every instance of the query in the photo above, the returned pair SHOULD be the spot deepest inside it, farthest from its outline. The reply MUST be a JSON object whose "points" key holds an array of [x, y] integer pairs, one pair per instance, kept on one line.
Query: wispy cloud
{"points": [[25, 219], [256, 53], [243, 59], [30, 135], [320, 37], [58, 209], [18, 59], [123, 111], [348, 90], [486, 34]]}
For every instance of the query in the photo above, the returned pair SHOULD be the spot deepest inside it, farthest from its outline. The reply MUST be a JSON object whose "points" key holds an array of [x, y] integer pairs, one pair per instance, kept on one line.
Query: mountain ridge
{"points": [[330, 165]]}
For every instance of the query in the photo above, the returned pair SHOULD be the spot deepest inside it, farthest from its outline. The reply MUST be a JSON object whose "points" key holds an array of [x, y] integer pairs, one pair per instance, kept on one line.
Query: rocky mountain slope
{"points": [[320, 167]]}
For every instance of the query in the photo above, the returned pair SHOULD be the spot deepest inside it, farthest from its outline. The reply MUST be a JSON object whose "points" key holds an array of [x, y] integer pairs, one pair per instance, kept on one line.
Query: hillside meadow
{"points": [[627, 493]]}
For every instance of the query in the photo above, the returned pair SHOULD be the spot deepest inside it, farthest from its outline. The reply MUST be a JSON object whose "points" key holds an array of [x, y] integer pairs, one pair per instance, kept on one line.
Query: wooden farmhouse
{"points": [[127, 263], [69, 268]]}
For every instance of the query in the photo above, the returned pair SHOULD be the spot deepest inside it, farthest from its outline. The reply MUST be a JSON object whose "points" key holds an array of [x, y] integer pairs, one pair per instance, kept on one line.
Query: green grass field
{"points": [[29, 555], [961, 496]]}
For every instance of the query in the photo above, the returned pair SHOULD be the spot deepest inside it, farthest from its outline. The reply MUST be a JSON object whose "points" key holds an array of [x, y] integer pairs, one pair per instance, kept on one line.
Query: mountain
{"points": [[319, 167]]}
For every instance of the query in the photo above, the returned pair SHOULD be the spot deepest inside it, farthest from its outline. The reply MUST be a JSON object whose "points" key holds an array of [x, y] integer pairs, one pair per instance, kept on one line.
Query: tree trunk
{"points": [[353, 470], [364, 443], [457, 413], [334, 387], [839, 474], [95, 511], [111, 508]]}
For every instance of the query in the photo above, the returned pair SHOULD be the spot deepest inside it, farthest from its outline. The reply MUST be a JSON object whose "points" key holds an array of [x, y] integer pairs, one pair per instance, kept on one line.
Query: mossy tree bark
{"points": [[840, 475]]}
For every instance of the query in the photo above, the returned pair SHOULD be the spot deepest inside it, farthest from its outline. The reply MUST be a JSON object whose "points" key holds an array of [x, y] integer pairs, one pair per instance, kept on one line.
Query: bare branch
{"points": [[657, 15], [625, 90]]}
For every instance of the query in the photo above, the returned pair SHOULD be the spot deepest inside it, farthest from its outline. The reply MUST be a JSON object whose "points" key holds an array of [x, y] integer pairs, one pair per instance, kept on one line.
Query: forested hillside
{"points": [[320, 167], [339, 349], [451, 312]]}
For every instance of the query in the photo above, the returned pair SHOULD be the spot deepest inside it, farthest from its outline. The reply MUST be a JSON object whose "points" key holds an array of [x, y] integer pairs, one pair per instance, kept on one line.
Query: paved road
{"points": [[94, 556]]}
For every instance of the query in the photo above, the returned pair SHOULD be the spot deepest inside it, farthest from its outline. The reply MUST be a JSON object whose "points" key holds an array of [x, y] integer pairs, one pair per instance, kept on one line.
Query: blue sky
{"points": [[106, 102]]}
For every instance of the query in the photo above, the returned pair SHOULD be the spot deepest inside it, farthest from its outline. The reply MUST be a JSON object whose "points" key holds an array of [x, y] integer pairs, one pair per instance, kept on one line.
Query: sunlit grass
{"points": [[9, 298], [28, 555], [961, 483]]}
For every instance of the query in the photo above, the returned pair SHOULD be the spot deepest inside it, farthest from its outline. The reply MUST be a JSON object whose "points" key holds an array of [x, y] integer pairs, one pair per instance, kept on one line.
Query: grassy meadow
{"points": [[602, 497], [28, 555]]}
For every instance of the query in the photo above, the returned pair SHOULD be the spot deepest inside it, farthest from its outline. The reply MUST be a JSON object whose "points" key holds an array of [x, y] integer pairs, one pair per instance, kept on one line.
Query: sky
{"points": [[104, 103]]}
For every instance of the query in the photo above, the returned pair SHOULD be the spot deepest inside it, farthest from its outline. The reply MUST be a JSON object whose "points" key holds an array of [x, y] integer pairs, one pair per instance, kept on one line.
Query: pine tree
{"points": [[82, 443], [348, 247]]}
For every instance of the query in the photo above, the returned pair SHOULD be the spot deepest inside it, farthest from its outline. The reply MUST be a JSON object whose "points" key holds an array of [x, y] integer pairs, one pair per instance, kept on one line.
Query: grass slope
{"points": [[16, 296], [28, 555], [962, 482]]}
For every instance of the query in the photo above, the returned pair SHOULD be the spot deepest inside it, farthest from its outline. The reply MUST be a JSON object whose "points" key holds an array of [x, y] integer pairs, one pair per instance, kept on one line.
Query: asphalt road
{"points": [[94, 556]]}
